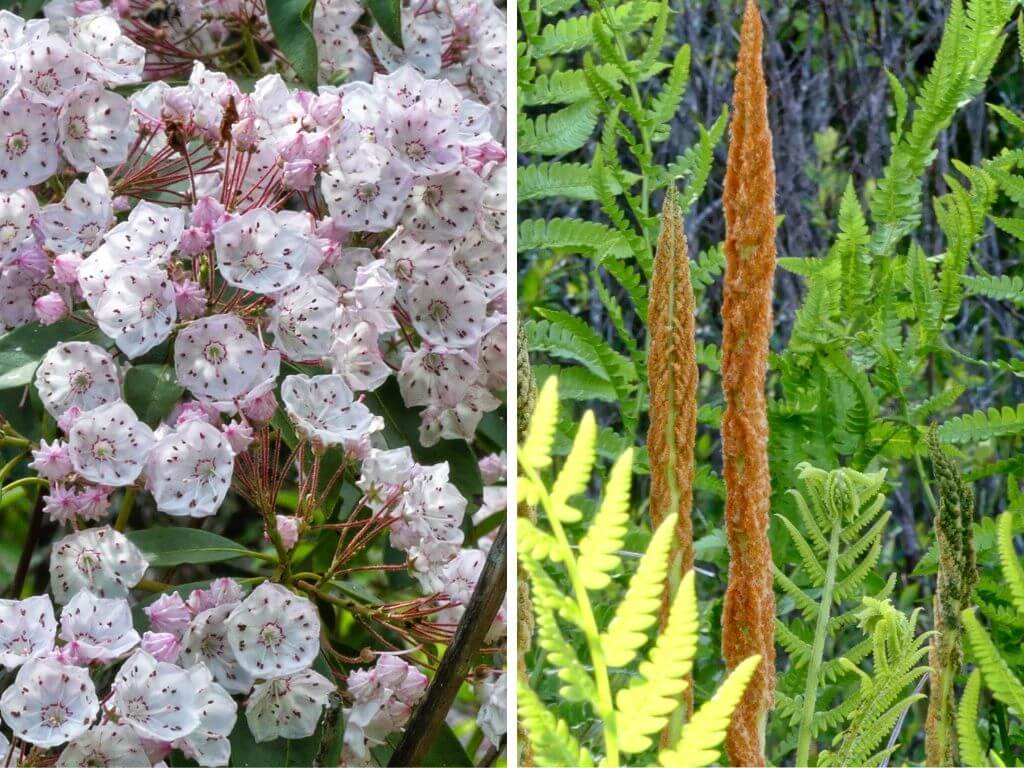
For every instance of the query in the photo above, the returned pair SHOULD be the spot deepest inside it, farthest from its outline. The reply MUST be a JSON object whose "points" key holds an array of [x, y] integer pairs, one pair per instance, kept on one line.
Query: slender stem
{"points": [[126, 510], [34, 528], [818, 649], [24, 481], [11, 465], [606, 704]]}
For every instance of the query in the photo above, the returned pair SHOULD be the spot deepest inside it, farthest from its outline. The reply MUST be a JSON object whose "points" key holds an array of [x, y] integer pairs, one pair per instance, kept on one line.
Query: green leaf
{"points": [[22, 349], [151, 391], [167, 546], [292, 23], [388, 15]]}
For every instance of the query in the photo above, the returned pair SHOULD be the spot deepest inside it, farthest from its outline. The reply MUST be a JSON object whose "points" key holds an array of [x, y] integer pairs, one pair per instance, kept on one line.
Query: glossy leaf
{"points": [[151, 391], [292, 23], [174, 546]]}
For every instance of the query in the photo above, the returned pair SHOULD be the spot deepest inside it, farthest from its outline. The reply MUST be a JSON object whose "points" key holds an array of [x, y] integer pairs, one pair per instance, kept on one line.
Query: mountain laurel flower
{"points": [[27, 630], [61, 503], [137, 309], [288, 707], [162, 646], [98, 629], [209, 744], [100, 560], [77, 374], [79, 222], [288, 530], [49, 703], [107, 743], [50, 308], [93, 502], [109, 445], [28, 152], [274, 632], [33, 259], [492, 718], [156, 698], [93, 127], [189, 470], [382, 701], [65, 267], [261, 408], [206, 642], [239, 436], [323, 408], [17, 209], [169, 614], [221, 363], [302, 316], [447, 310], [190, 299], [257, 251]]}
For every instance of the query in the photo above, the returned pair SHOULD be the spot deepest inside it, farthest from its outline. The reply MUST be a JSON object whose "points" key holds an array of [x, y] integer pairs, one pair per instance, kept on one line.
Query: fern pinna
{"points": [[839, 540], [632, 715]]}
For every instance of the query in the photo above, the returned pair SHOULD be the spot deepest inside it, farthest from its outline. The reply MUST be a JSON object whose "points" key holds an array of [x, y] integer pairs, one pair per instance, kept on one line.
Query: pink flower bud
{"points": [[492, 469], [162, 646], [34, 259], [294, 148], [262, 408], [190, 299], [94, 502], [318, 148], [225, 590], [168, 613], [65, 267], [121, 203], [299, 175], [122, 7], [194, 241], [239, 435], [288, 530], [85, 7], [52, 461], [245, 135], [193, 410], [326, 109], [177, 104], [68, 419], [50, 308], [207, 213]]}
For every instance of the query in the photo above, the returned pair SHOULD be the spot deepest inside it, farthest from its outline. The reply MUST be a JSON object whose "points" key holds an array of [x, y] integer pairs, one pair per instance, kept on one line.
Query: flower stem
{"points": [[126, 510]]}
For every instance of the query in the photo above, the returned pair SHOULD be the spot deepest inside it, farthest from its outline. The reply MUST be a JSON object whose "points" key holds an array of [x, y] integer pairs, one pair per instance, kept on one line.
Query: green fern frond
{"points": [[638, 610], [972, 753], [536, 449], [999, 678], [999, 288], [983, 425], [550, 738], [1013, 574]]}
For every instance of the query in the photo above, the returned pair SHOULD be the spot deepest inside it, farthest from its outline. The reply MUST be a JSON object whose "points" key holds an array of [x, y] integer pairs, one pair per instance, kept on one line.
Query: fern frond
{"points": [[999, 678], [701, 737], [1000, 288], [560, 132], [550, 739], [638, 610], [1013, 574], [972, 753], [575, 472], [536, 449], [607, 533], [983, 425]]}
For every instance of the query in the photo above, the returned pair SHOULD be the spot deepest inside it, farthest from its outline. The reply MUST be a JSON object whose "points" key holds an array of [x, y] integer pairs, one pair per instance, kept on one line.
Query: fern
{"points": [[632, 717], [983, 425], [882, 696], [843, 525], [971, 752]]}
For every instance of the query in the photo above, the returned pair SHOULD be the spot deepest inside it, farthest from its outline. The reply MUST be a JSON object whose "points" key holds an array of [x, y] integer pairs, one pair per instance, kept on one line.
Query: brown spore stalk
{"points": [[672, 380], [749, 201]]}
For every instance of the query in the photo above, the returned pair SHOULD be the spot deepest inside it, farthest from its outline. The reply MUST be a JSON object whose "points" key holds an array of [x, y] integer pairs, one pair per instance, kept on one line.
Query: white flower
{"points": [[430, 527], [426, 143], [355, 353], [458, 422], [27, 629], [16, 210], [97, 629], [137, 308], [444, 207], [323, 408], [110, 744], [448, 310], [156, 698], [302, 317], [288, 707], [28, 142], [258, 252], [49, 68], [49, 703], [114, 58], [93, 128], [206, 642], [368, 196], [274, 632], [189, 470], [109, 445], [436, 375], [493, 715], [101, 560], [76, 374], [208, 744], [382, 701], [150, 234], [482, 262], [80, 220], [221, 363], [384, 473]]}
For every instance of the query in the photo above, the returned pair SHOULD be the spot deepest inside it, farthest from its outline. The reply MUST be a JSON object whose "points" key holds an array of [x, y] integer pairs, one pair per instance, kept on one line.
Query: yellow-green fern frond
{"points": [[646, 706], [607, 534], [535, 452], [638, 610], [972, 754], [550, 739], [575, 473], [702, 736], [999, 678]]}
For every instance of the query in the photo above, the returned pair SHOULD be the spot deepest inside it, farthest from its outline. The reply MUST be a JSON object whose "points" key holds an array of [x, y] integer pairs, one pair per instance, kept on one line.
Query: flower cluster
{"points": [[284, 266], [173, 688]]}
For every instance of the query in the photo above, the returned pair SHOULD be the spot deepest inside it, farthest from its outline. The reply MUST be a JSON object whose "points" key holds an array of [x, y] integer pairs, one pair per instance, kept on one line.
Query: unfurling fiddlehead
{"points": [[749, 203], [672, 376], [957, 577]]}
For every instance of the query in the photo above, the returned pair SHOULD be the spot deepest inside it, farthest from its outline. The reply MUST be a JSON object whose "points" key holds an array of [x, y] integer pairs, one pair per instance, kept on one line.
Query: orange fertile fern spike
{"points": [[749, 201], [672, 377]]}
